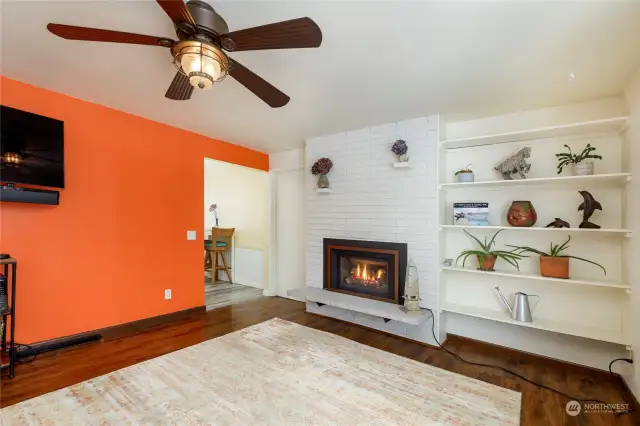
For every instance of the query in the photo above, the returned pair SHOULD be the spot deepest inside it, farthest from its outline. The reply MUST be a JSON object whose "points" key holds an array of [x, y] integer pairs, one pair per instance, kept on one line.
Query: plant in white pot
{"points": [[581, 164], [466, 174]]}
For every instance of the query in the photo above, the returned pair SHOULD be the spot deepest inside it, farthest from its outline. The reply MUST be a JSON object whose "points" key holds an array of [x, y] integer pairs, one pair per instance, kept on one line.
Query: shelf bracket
{"points": [[320, 304], [628, 179], [629, 234], [628, 348], [628, 291], [386, 320]]}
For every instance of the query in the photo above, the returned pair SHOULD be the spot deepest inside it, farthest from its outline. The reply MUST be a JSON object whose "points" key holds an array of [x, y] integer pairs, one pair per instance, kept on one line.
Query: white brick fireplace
{"points": [[372, 200]]}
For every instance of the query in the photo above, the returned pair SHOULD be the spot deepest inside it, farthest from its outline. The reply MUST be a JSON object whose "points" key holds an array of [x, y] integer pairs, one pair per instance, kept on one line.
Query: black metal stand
{"points": [[12, 313]]}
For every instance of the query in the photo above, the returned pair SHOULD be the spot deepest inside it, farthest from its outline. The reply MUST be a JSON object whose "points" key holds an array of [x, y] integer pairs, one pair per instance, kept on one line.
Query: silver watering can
{"points": [[520, 310]]}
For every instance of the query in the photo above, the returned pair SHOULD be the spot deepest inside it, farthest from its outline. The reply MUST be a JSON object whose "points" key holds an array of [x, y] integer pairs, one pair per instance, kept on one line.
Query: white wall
{"points": [[533, 119], [632, 96], [287, 178], [242, 196], [370, 200]]}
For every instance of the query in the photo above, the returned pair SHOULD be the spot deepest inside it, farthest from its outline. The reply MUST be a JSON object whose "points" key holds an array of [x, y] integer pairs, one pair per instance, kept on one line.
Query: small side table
{"points": [[12, 313]]}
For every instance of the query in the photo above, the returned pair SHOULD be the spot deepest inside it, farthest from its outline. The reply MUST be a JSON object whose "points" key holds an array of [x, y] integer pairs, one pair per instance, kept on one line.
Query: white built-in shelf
{"points": [[601, 231], [402, 165], [608, 125], [323, 190], [376, 308], [610, 179], [519, 275], [612, 336]]}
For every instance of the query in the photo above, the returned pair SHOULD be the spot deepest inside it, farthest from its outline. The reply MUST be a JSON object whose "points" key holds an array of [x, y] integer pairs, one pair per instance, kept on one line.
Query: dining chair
{"points": [[220, 245]]}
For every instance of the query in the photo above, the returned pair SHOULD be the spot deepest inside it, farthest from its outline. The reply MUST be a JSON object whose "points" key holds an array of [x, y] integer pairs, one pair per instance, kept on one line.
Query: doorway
{"points": [[236, 218]]}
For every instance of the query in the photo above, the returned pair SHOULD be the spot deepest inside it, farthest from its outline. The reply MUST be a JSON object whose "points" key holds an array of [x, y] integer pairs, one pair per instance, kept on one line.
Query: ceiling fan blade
{"points": [[180, 88], [265, 91], [177, 11], [293, 34], [71, 32]]}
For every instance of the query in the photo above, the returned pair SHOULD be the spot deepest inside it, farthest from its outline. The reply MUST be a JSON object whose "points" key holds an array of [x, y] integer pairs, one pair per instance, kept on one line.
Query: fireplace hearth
{"points": [[371, 269]]}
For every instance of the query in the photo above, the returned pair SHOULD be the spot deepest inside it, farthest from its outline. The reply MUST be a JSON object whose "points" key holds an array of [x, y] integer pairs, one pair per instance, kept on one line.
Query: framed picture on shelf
{"points": [[473, 214]]}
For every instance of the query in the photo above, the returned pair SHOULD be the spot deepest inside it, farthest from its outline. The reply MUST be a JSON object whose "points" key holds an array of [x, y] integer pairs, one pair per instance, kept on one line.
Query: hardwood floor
{"points": [[120, 349], [225, 293]]}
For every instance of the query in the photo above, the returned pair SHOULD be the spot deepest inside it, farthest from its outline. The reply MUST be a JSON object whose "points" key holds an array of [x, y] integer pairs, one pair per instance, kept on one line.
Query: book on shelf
{"points": [[472, 214]]}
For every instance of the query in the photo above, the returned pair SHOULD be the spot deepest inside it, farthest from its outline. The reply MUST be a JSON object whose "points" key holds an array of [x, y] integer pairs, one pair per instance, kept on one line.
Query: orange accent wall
{"points": [[133, 187]]}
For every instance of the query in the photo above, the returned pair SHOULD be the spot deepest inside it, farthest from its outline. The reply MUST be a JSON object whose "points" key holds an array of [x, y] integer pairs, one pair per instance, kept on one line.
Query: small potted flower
{"points": [[400, 149], [466, 174], [581, 164], [320, 168], [213, 208]]}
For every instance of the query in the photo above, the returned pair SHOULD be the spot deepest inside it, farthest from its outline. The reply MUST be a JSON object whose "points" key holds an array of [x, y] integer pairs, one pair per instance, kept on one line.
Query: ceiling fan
{"points": [[203, 36]]}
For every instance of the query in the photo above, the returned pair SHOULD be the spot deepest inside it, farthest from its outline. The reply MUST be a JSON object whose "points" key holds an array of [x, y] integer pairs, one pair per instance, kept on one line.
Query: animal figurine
{"points": [[558, 223], [515, 164], [589, 206]]}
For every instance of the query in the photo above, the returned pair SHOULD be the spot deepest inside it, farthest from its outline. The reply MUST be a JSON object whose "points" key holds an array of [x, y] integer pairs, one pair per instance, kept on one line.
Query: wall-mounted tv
{"points": [[31, 148]]}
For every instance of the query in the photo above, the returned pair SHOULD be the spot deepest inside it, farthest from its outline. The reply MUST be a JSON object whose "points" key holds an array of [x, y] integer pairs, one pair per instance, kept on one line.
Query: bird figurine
{"points": [[558, 223], [588, 206]]}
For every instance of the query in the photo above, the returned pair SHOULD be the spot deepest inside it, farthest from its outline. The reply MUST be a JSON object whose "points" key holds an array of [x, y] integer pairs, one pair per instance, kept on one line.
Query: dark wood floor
{"points": [[120, 349]]}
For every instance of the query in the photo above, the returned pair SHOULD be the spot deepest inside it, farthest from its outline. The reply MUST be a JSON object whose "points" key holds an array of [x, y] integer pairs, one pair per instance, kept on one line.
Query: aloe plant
{"points": [[555, 251], [486, 249]]}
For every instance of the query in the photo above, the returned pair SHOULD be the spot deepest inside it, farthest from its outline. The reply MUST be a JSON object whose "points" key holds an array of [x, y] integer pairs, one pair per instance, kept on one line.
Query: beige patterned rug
{"points": [[274, 373]]}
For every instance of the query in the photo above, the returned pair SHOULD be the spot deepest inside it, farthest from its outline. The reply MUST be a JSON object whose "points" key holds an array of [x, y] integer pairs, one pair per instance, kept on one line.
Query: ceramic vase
{"points": [[584, 168], [323, 181], [403, 158], [522, 214], [466, 177]]}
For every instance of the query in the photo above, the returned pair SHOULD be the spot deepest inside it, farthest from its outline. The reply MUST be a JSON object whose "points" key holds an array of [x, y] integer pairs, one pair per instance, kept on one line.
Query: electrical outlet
{"points": [[167, 294], [191, 235]]}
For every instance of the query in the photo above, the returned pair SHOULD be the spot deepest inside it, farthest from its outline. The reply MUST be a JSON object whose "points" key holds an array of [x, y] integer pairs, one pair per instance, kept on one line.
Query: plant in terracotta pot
{"points": [[487, 256], [320, 168], [466, 174], [554, 264], [580, 163]]}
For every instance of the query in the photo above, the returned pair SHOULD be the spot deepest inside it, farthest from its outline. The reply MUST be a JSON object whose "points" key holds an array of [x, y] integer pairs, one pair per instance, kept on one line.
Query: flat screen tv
{"points": [[31, 148]]}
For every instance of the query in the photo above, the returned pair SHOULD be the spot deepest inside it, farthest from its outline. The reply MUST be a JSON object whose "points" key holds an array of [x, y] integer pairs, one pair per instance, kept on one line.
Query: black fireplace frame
{"points": [[397, 250]]}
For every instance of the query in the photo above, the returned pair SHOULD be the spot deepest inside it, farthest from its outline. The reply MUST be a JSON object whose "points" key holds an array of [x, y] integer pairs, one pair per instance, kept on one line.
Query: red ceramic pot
{"points": [[522, 214]]}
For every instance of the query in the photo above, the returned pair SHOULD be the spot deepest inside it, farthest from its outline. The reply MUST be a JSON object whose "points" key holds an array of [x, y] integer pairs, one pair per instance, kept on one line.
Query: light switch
{"points": [[191, 235]]}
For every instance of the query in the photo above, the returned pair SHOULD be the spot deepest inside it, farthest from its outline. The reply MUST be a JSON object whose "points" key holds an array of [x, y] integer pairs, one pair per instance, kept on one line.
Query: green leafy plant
{"points": [[554, 251], [486, 249], [465, 170], [566, 158]]}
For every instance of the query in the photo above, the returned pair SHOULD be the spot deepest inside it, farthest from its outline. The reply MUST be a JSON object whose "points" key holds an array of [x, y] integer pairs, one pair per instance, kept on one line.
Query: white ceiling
{"points": [[380, 61]]}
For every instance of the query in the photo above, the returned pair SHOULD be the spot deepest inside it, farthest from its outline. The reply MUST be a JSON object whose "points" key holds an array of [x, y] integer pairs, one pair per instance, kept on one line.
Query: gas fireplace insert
{"points": [[371, 269]]}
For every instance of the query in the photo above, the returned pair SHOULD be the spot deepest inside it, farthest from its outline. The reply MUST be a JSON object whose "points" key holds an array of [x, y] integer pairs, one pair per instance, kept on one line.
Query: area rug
{"points": [[274, 373]]}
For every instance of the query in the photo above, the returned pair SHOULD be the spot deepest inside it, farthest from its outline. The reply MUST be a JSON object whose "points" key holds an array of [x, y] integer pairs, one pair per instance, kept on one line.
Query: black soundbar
{"points": [[28, 195]]}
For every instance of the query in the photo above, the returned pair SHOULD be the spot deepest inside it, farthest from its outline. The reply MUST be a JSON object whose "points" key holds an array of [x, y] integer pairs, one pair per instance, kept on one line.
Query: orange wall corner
{"points": [[104, 256]]}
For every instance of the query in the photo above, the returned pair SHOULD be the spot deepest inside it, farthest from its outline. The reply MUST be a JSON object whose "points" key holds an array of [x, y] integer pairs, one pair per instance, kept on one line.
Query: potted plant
{"points": [[554, 264], [320, 168], [400, 149], [466, 174], [580, 166], [487, 256]]}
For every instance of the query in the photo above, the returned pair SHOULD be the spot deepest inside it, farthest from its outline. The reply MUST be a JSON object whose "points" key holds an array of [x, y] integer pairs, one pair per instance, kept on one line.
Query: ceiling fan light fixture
{"points": [[203, 63], [12, 159]]}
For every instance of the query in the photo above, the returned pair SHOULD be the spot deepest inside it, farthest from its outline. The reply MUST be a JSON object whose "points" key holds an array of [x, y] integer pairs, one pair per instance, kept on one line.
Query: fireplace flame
{"points": [[367, 277]]}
